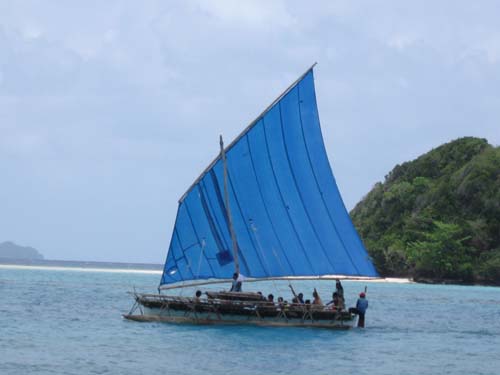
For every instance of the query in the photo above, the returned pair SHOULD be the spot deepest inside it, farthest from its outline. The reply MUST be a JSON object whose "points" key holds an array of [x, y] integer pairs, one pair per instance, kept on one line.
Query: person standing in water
{"points": [[360, 309]]}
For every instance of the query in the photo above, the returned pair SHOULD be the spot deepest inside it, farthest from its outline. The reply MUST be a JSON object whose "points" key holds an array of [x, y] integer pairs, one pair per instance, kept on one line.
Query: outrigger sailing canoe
{"points": [[267, 207]]}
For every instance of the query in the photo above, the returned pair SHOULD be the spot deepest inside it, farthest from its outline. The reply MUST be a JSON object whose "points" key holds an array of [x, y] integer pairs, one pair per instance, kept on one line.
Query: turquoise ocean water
{"points": [[69, 322]]}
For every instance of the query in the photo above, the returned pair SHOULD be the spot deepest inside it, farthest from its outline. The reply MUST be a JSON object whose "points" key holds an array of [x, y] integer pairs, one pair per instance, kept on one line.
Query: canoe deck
{"points": [[210, 311]]}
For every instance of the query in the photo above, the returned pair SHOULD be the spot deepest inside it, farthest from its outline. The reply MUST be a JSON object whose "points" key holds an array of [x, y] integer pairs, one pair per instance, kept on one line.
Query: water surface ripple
{"points": [[67, 322]]}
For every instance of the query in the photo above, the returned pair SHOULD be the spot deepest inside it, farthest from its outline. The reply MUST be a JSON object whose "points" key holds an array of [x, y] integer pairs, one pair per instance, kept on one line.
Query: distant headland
{"points": [[12, 254], [9, 250]]}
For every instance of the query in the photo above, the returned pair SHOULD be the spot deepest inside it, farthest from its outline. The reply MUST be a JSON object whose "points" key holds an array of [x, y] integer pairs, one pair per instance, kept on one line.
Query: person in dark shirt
{"points": [[261, 296], [198, 296], [335, 303], [300, 298], [297, 298], [339, 289]]}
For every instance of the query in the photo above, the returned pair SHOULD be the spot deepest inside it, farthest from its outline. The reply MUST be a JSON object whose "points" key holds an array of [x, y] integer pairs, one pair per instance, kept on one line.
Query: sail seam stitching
{"points": [[244, 224], [317, 183], [283, 199], [188, 264], [299, 192], [265, 206], [198, 239]]}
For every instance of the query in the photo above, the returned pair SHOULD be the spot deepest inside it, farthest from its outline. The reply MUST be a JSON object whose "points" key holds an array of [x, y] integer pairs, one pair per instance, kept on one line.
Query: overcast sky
{"points": [[110, 109]]}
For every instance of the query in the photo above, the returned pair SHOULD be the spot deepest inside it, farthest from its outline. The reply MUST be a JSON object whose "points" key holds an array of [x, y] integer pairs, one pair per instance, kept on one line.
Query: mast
{"points": [[228, 210]]}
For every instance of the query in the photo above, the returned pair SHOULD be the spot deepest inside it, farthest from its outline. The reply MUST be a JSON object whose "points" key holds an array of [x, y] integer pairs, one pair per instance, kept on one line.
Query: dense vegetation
{"points": [[437, 217]]}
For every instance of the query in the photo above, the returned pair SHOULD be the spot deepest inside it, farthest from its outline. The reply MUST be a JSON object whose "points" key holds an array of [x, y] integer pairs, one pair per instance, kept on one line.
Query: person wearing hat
{"points": [[360, 309]]}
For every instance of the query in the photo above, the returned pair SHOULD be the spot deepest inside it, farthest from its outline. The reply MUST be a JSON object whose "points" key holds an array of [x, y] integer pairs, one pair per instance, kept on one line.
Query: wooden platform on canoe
{"points": [[175, 309]]}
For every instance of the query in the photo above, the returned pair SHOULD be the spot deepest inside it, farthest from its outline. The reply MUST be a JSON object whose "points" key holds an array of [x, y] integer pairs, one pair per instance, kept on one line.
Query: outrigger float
{"points": [[288, 222]]}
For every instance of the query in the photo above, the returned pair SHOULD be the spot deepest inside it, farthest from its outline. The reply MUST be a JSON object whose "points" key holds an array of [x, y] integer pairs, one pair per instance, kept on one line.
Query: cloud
{"points": [[491, 46], [254, 14], [109, 110], [401, 41]]}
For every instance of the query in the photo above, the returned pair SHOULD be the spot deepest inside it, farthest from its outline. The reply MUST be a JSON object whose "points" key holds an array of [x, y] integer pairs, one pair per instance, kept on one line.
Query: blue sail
{"points": [[287, 212]]}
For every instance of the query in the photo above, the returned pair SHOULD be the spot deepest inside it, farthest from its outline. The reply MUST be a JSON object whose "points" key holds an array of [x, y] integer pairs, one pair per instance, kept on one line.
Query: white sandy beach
{"points": [[158, 272], [78, 269]]}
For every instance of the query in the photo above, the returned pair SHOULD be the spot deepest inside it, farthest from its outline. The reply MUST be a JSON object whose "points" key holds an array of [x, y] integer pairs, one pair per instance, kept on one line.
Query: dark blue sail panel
{"points": [[286, 209]]}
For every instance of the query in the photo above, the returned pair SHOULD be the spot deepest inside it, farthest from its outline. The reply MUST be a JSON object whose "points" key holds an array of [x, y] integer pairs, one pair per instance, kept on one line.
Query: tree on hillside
{"points": [[437, 216]]}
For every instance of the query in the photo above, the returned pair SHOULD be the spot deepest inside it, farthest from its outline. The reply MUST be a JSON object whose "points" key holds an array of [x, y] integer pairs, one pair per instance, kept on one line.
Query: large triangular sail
{"points": [[286, 208]]}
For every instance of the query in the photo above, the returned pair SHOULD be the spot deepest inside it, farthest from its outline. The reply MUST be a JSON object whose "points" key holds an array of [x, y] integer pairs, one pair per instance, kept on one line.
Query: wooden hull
{"points": [[181, 310]]}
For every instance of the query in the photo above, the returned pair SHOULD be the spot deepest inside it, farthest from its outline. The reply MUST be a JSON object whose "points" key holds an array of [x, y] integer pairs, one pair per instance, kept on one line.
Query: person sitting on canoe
{"points": [[300, 298], [335, 303], [197, 296], [237, 282], [317, 300], [297, 298], [338, 301]]}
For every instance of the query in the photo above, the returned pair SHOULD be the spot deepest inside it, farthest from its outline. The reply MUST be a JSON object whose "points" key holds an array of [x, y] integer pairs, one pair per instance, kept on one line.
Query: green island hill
{"points": [[437, 218]]}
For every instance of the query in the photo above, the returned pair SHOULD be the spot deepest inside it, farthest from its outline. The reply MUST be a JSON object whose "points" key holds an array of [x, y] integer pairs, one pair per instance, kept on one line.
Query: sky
{"points": [[110, 109]]}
